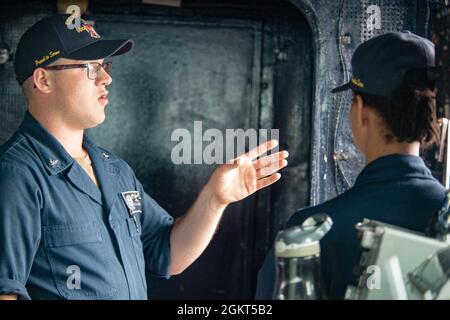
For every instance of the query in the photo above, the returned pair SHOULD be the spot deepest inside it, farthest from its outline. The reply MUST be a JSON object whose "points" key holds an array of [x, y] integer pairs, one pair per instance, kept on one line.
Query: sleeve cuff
{"points": [[159, 260], [13, 287]]}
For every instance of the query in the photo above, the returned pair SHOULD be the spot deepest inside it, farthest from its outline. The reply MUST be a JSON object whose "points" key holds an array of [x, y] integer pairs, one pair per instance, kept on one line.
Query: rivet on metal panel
{"points": [[346, 39], [343, 156], [281, 55]]}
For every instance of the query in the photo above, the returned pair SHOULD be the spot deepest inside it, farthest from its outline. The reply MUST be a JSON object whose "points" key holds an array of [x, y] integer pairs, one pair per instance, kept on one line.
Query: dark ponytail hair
{"points": [[409, 113]]}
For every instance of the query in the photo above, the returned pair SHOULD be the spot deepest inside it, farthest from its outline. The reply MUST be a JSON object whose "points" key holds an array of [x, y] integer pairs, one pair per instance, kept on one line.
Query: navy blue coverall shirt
{"points": [[62, 237], [395, 189]]}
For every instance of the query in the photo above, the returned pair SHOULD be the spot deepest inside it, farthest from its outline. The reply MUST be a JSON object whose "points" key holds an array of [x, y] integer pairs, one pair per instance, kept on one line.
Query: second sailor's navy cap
{"points": [[380, 64]]}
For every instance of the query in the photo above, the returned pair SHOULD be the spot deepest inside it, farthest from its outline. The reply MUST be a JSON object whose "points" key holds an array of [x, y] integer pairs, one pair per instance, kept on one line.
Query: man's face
{"points": [[80, 101]]}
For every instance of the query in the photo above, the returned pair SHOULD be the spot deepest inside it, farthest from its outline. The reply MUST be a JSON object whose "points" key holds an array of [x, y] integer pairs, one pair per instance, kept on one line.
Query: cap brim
{"points": [[102, 49], [344, 87]]}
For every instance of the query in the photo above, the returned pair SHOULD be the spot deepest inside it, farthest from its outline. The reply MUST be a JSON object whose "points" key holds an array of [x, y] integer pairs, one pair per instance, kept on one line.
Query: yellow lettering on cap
{"points": [[48, 56], [357, 82], [54, 53]]}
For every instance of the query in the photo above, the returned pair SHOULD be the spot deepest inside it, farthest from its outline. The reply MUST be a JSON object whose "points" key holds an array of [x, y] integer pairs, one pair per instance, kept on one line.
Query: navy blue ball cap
{"points": [[379, 65], [57, 37]]}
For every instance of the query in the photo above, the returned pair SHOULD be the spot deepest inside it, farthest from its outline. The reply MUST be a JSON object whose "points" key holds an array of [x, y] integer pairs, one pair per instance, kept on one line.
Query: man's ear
{"points": [[42, 80], [362, 112]]}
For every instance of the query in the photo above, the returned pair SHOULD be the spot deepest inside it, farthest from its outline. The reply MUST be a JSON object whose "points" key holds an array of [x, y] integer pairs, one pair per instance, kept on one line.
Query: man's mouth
{"points": [[103, 98]]}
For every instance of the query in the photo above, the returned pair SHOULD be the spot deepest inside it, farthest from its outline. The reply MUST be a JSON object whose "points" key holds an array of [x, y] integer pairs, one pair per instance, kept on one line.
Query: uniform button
{"points": [[105, 155], [53, 162]]}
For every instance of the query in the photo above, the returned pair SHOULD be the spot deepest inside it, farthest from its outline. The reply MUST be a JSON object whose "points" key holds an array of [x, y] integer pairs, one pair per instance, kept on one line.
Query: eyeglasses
{"points": [[93, 68]]}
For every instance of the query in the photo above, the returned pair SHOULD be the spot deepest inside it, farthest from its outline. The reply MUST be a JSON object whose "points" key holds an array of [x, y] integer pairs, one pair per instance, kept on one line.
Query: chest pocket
{"points": [[131, 208], [134, 230], [78, 262]]}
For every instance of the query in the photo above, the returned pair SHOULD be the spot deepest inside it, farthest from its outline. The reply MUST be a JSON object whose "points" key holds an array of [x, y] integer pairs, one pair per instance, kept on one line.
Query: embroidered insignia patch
{"points": [[132, 201]]}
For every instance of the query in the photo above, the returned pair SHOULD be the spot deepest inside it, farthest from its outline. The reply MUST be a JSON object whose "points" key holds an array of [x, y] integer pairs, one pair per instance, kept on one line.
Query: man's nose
{"points": [[104, 78]]}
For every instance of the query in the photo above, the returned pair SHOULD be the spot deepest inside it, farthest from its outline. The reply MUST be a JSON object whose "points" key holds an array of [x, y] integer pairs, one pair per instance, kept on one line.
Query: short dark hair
{"points": [[409, 113]]}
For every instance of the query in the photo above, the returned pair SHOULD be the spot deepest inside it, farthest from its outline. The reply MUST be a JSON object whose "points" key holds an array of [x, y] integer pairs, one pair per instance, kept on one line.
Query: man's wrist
{"points": [[213, 199]]}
